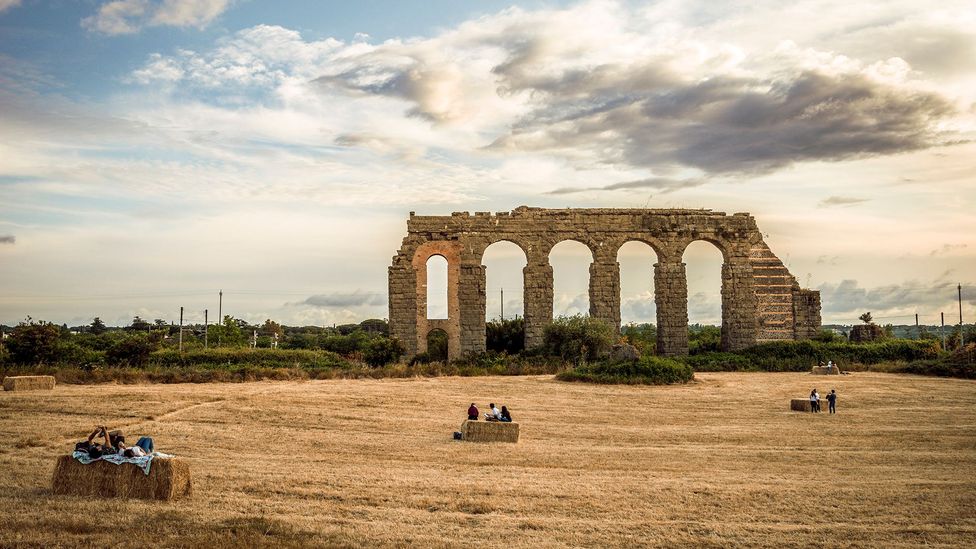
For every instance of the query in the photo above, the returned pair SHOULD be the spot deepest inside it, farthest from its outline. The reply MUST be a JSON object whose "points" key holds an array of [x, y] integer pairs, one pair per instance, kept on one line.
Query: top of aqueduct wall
{"points": [[602, 230]]}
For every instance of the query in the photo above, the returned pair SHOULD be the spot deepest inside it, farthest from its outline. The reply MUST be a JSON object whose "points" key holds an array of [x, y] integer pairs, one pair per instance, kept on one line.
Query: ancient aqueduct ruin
{"points": [[761, 300]]}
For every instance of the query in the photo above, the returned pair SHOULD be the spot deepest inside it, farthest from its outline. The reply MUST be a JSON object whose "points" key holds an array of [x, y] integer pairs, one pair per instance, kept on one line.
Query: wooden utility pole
{"points": [[181, 329], [918, 331], [962, 339], [206, 324], [942, 329], [503, 303], [220, 314]]}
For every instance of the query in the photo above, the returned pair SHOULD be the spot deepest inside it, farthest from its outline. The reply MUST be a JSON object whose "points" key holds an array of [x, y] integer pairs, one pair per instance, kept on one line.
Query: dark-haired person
{"points": [[814, 400], [832, 401], [506, 415], [494, 415], [95, 449], [473, 412]]}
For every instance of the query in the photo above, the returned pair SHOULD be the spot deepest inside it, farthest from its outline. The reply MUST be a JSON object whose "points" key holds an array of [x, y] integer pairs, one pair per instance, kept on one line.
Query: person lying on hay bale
{"points": [[114, 443]]}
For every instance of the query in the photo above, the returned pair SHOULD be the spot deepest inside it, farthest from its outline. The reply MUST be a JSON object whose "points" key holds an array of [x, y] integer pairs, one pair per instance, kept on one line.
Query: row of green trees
{"points": [[39, 342]]}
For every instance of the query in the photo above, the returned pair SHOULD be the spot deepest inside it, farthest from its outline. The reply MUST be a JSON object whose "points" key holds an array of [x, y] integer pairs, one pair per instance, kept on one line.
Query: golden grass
{"points": [[489, 431], [717, 463], [28, 383], [168, 478]]}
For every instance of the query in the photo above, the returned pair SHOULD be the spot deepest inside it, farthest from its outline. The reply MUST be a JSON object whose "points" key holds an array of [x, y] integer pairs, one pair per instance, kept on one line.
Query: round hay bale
{"points": [[168, 478]]}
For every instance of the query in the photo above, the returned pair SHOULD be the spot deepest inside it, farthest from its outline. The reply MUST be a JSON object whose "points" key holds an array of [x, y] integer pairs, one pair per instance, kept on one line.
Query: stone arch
{"points": [[494, 283], [450, 250], [705, 283], [567, 264], [722, 245], [435, 338], [627, 282], [436, 307]]}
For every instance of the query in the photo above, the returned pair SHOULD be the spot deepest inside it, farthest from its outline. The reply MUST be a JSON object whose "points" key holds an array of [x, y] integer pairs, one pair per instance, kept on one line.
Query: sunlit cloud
{"points": [[131, 16]]}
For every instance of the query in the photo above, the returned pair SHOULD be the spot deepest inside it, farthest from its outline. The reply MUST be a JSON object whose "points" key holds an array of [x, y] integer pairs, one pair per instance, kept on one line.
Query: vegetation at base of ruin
{"points": [[505, 336], [922, 357], [149, 352], [578, 338], [649, 370]]}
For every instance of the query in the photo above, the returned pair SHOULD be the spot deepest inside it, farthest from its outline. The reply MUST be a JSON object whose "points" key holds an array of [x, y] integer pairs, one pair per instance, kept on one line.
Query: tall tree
{"points": [[98, 327]]}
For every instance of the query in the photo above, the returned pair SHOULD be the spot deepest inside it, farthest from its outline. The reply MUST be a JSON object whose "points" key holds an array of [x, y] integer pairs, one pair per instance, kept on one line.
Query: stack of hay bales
{"points": [[168, 478], [28, 383], [800, 405], [489, 431], [825, 371]]}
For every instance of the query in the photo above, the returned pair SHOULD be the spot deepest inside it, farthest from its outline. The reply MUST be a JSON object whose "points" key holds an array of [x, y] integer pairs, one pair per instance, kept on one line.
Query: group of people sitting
{"points": [[815, 401], [113, 442], [494, 415]]}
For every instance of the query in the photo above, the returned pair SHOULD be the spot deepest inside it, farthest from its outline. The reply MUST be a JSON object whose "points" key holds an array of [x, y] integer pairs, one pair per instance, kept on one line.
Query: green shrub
{"points": [[718, 362], [642, 336], [704, 339], [382, 351], [649, 370], [578, 337], [270, 358], [506, 336], [134, 350], [34, 343]]}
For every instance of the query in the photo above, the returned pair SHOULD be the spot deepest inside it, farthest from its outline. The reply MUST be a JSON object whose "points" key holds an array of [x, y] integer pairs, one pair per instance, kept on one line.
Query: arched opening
{"points": [[703, 269], [503, 263], [570, 262], [436, 287], [638, 311], [437, 345]]}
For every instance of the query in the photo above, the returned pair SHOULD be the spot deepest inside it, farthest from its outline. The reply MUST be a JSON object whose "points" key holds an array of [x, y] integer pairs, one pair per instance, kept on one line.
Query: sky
{"points": [[155, 152]]}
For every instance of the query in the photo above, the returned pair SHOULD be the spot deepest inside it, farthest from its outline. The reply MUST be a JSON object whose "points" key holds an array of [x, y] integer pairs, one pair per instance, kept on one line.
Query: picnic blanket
{"points": [[142, 462]]}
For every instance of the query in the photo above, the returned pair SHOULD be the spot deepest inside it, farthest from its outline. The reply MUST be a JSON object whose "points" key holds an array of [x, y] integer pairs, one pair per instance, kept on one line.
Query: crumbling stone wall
{"points": [[760, 298]]}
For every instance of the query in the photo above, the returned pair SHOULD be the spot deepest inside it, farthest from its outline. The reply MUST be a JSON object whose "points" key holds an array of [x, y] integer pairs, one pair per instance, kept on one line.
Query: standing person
{"points": [[506, 415], [832, 402], [814, 400], [473, 412]]}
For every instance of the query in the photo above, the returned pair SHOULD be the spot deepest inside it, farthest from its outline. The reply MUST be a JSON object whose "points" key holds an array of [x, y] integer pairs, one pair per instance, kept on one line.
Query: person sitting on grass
{"points": [[494, 415], [506, 415], [473, 412]]}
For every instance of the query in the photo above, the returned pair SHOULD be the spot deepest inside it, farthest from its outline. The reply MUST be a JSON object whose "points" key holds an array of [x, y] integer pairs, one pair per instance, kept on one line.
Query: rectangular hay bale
{"points": [[28, 383], [800, 405], [825, 371], [168, 478], [489, 431]]}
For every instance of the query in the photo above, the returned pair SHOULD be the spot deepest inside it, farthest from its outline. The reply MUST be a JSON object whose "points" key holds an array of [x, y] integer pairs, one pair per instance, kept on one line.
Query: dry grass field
{"points": [[720, 462]]}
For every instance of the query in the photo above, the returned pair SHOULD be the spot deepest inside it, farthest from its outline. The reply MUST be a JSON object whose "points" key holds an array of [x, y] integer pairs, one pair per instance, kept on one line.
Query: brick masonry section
{"points": [[761, 300]]}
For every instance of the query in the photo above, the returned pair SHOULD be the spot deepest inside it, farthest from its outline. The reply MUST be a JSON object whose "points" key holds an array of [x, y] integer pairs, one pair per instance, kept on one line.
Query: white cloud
{"points": [[698, 107], [7, 4], [131, 16]]}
